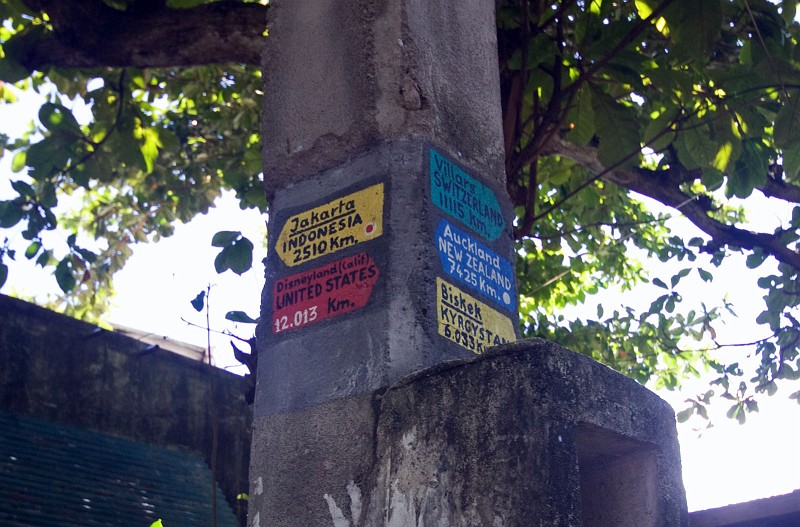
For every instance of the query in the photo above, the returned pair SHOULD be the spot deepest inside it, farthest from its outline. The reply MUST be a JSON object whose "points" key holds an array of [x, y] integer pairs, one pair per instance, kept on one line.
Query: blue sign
{"points": [[470, 262], [465, 198]]}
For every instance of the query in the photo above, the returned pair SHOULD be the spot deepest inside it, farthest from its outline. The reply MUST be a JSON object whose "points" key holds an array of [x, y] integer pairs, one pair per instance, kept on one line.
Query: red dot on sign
{"points": [[369, 228]]}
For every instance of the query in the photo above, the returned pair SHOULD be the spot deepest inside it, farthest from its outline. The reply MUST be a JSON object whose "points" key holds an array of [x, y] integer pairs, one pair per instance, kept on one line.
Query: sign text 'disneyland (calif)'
{"points": [[323, 292]]}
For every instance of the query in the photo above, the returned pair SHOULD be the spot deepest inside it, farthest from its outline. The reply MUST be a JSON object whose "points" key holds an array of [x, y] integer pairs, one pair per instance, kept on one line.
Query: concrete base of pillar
{"points": [[529, 434]]}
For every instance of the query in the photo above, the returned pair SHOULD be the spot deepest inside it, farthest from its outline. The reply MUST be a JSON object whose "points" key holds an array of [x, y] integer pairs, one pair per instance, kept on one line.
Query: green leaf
{"points": [[791, 163], [240, 316], [660, 283], [705, 275], [224, 238], [221, 261], [11, 70], [199, 301], [677, 278], [755, 259], [694, 27], [157, 523], [581, 118], [18, 161], [240, 256], [44, 259], [65, 275], [787, 123], [57, 117], [149, 148], [684, 415], [659, 132], [3, 274], [24, 190], [751, 170], [33, 249], [10, 213], [618, 130]]}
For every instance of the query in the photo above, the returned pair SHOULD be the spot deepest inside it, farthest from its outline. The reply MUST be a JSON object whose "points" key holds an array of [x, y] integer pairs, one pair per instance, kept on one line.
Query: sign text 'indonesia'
{"points": [[469, 322], [465, 198], [324, 292], [336, 225]]}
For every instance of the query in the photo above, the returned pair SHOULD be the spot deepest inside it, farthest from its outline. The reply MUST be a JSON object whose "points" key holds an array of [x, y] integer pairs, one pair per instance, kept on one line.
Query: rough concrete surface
{"points": [[341, 76], [531, 434]]}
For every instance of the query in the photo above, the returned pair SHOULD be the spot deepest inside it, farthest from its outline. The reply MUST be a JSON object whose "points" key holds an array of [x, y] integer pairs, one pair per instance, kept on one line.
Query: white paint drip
{"points": [[410, 438], [402, 512], [336, 513], [258, 490], [256, 521], [355, 502]]}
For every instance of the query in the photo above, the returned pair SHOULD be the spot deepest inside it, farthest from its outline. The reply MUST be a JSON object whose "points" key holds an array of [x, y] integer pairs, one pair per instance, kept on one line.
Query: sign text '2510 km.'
{"points": [[323, 292], [336, 225]]}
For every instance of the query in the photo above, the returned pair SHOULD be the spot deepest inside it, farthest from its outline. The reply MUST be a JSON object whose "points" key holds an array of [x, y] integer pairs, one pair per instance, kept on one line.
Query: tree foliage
{"points": [[691, 104]]}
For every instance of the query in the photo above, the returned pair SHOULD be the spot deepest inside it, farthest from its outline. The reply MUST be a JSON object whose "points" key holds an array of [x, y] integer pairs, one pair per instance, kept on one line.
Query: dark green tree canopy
{"points": [[692, 104]]}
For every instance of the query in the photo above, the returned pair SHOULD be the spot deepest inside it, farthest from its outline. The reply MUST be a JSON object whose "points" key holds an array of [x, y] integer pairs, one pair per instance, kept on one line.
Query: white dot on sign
{"points": [[369, 228], [506, 298]]}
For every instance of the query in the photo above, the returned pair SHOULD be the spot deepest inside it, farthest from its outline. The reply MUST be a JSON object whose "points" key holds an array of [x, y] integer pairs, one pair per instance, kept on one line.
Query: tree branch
{"points": [[775, 188], [645, 183], [89, 34]]}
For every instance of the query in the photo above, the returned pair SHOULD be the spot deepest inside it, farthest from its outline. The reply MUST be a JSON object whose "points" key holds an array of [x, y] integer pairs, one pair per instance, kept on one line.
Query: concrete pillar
{"points": [[390, 253], [390, 229]]}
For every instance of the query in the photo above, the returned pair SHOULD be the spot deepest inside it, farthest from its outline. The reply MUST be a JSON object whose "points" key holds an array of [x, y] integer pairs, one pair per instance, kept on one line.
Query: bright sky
{"points": [[728, 463]]}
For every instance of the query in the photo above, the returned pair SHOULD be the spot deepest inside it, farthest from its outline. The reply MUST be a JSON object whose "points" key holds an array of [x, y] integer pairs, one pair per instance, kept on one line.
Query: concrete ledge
{"points": [[529, 434], [777, 511]]}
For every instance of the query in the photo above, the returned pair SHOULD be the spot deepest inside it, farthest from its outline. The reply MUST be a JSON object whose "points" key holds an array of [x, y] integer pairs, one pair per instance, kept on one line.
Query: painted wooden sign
{"points": [[322, 293], [336, 225], [468, 261], [468, 322], [465, 198]]}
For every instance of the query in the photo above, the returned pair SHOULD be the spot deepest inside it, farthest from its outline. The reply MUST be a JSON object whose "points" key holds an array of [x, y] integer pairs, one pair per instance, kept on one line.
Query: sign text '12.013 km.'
{"points": [[322, 293], [479, 267], [329, 228], [465, 198]]}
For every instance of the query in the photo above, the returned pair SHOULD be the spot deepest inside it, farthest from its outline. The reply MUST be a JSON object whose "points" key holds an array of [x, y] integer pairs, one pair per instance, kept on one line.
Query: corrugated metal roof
{"points": [[51, 474]]}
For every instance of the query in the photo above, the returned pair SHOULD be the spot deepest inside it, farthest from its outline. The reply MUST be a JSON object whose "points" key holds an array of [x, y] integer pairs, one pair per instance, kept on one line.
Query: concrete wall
{"points": [[530, 434], [63, 370]]}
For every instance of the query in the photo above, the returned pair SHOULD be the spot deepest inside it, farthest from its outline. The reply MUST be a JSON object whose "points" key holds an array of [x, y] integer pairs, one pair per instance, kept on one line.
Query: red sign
{"points": [[324, 292]]}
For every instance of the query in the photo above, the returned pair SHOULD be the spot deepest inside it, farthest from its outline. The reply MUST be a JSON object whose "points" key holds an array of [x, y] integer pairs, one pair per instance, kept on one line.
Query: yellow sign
{"points": [[336, 225], [469, 322]]}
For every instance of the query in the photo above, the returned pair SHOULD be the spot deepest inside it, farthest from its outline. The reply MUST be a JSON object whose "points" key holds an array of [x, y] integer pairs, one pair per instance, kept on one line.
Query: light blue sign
{"points": [[470, 262], [465, 198]]}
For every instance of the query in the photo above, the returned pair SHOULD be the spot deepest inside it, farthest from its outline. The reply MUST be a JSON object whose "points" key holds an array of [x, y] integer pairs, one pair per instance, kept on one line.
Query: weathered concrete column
{"points": [[391, 253], [390, 244]]}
